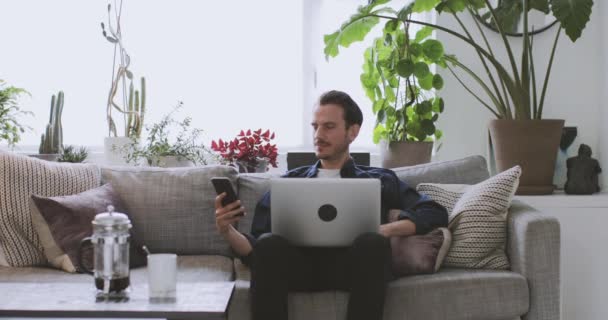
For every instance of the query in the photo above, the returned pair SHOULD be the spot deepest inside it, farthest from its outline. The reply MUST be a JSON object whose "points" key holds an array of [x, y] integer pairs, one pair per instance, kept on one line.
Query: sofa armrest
{"points": [[534, 251]]}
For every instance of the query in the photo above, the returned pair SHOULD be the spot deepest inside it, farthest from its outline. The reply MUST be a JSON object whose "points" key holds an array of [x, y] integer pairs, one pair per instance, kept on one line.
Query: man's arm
{"points": [[417, 214]]}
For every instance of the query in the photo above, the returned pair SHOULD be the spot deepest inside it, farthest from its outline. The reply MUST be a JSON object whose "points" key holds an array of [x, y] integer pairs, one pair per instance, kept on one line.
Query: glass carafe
{"points": [[110, 241]]}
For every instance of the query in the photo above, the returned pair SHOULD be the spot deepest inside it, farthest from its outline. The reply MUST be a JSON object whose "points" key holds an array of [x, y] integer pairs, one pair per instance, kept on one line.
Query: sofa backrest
{"points": [[172, 209], [469, 170]]}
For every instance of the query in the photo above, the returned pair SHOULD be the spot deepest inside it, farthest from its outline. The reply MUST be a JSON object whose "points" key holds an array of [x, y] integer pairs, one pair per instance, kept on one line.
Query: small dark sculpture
{"points": [[582, 172]]}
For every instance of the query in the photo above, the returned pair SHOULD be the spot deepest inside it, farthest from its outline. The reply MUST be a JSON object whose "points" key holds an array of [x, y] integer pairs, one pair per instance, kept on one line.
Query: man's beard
{"points": [[339, 149]]}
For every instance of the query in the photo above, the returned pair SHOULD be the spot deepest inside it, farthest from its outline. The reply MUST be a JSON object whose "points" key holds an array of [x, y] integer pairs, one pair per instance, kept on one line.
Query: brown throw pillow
{"points": [[62, 222], [419, 254]]}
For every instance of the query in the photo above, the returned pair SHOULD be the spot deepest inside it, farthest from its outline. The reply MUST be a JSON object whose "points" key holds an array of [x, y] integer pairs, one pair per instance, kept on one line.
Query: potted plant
{"points": [[131, 103], [250, 151], [51, 142], [10, 112], [164, 149], [519, 135], [70, 154], [398, 79]]}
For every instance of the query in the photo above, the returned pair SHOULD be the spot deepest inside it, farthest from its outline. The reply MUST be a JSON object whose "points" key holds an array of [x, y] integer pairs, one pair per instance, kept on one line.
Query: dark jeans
{"points": [[278, 267]]}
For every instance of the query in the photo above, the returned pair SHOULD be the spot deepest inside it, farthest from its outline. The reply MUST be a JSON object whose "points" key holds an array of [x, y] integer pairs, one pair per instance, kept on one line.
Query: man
{"points": [[363, 269]]}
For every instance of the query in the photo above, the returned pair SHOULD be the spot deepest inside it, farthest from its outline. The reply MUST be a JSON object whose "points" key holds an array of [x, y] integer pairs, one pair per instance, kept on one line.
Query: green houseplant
{"points": [[51, 142], [511, 90], [398, 80], [10, 112], [164, 149], [131, 102], [71, 154]]}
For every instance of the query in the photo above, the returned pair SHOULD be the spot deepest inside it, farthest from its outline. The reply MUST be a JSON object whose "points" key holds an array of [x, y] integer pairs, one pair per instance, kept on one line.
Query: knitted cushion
{"points": [[477, 219], [22, 176]]}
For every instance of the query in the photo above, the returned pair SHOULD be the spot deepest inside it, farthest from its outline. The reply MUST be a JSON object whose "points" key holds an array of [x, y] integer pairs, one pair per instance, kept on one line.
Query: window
{"points": [[235, 64]]}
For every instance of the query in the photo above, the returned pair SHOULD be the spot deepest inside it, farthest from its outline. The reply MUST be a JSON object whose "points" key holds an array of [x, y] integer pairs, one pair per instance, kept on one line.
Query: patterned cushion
{"points": [[21, 177], [172, 209], [477, 219]]}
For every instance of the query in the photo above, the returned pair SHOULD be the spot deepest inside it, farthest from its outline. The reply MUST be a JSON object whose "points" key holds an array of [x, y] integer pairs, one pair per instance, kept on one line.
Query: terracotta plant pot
{"points": [[405, 153], [531, 144]]}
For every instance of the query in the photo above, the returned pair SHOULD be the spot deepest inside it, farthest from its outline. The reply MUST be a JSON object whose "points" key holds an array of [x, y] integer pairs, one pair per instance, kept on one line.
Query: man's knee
{"points": [[372, 245], [270, 245]]}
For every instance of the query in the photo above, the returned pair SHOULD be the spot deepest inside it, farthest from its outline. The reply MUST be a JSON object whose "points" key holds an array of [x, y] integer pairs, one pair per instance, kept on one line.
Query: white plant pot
{"points": [[112, 147], [47, 156], [172, 162]]}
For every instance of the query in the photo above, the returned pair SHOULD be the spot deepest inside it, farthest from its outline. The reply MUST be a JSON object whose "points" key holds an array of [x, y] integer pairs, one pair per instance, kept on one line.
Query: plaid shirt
{"points": [[395, 194]]}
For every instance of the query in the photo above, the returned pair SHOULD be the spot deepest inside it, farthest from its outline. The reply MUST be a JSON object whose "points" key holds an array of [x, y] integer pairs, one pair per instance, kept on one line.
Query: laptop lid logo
{"points": [[327, 212]]}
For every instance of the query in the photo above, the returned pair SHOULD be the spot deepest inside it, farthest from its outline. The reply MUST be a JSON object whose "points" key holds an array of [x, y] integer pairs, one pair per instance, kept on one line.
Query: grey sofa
{"points": [[530, 290]]}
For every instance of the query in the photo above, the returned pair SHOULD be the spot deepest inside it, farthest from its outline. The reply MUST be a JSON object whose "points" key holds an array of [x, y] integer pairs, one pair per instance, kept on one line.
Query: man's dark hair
{"points": [[352, 113]]}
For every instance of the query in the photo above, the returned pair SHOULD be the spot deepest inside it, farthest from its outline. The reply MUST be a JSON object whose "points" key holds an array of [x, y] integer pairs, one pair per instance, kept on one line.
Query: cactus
{"points": [[52, 140], [135, 110]]}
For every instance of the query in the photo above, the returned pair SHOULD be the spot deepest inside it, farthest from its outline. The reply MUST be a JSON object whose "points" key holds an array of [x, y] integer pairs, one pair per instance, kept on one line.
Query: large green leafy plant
{"points": [[10, 112], [397, 75], [511, 89]]}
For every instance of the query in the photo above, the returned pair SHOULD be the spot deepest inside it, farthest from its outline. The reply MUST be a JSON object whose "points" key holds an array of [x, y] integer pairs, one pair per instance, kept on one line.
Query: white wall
{"points": [[603, 115], [574, 92]]}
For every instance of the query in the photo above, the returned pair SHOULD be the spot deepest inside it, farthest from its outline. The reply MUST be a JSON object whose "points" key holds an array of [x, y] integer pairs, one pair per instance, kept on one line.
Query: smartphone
{"points": [[222, 185]]}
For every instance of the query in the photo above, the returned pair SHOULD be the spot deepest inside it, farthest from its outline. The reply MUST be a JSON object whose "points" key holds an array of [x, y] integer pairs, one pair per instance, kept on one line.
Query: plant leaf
{"points": [[433, 49], [421, 70], [437, 82], [573, 15], [425, 5], [423, 33], [355, 29], [426, 83], [405, 68]]}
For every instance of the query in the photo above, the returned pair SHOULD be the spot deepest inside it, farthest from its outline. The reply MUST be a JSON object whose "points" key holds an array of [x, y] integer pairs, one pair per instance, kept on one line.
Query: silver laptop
{"points": [[324, 212]]}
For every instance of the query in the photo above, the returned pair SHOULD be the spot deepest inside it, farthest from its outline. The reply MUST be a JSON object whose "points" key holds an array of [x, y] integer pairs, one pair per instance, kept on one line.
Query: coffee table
{"points": [[201, 300]]}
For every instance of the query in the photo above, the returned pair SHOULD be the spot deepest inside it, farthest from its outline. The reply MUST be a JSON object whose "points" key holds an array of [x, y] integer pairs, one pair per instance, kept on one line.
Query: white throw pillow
{"points": [[478, 219]]}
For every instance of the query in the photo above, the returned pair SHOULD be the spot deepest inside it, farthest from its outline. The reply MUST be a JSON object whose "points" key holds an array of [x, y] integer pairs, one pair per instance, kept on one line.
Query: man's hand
{"points": [[226, 216], [397, 227]]}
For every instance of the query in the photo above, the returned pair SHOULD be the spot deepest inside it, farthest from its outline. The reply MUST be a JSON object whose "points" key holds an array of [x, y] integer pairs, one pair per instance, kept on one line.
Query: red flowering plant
{"points": [[249, 150]]}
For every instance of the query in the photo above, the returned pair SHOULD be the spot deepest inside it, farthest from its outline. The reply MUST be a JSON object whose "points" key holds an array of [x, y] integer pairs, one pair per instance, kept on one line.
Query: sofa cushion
{"points": [[448, 294], [478, 220], [469, 170], [251, 188], [21, 177], [172, 209], [190, 269], [62, 222]]}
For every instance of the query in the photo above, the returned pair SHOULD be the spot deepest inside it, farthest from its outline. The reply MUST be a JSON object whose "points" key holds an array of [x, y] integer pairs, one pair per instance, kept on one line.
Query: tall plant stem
{"points": [[533, 74], [502, 84], [501, 105], [486, 105], [542, 95]]}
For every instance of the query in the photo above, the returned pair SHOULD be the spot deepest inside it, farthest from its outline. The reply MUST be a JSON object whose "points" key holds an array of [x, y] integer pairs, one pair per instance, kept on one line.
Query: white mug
{"points": [[162, 276]]}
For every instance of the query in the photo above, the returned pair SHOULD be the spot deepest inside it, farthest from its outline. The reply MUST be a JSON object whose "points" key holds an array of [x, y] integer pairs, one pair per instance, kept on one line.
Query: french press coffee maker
{"points": [[110, 241]]}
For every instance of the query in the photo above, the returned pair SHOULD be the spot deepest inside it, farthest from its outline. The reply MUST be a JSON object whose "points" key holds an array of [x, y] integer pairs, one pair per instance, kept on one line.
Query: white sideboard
{"points": [[584, 258]]}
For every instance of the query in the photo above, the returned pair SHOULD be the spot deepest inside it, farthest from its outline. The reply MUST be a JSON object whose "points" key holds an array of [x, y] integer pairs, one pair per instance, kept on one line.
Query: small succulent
{"points": [[70, 154]]}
